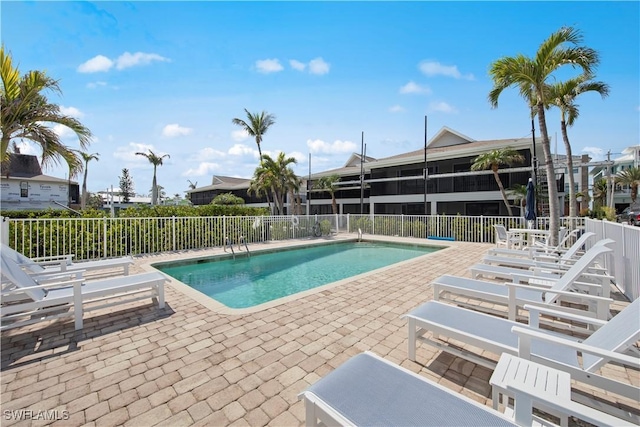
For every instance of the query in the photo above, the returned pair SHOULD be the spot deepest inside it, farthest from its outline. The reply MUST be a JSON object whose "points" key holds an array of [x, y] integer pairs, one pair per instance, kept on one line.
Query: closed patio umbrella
{"points": [[530, 208]]}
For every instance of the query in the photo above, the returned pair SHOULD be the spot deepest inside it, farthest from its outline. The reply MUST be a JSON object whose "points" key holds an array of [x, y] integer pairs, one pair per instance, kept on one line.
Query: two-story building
{"points": [[396, 184], [23, 186]]}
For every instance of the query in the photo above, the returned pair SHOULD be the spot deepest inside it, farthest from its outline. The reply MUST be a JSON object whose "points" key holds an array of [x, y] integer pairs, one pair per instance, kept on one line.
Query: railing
{"points": [[624, 262], [93, 238]]}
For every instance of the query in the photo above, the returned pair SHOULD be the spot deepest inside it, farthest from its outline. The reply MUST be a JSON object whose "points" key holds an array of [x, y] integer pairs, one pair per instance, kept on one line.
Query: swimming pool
{"points": [[266, 276]]}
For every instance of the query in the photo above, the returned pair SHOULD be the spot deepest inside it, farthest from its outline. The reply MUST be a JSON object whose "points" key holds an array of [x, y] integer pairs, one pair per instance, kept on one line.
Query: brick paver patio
{"points": [[189, 365]]}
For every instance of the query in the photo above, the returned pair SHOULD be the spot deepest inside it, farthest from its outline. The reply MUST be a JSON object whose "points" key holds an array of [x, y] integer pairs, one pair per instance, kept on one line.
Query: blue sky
{"points": [[171, 76]]}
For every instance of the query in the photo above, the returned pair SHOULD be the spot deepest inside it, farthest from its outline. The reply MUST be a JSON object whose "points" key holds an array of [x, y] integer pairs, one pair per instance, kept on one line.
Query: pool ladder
{"points": [[240, 241]]}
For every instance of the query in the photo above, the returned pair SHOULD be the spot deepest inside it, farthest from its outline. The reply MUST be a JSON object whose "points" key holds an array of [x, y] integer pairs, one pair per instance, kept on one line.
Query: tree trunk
{"points": [[572, 187], [334, 204], [502, 192], [83, 197], [154, 189], [554, 213]]}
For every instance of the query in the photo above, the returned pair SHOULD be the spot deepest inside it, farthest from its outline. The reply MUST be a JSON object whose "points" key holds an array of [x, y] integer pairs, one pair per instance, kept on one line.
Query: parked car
{"points": [[630, 215]]}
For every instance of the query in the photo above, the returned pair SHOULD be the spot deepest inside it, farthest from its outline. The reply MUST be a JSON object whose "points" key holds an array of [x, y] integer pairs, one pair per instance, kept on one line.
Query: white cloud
{"points": [[173, 130], [297, 65], [595, 153], [96, 64], [243, 150], [203, 169], [128, 152], [239, 135], [101, 63], [94, 85], [71, 111], [434, 68], [396, 109], [127, 59], [269, 65], [63, 132], [442, 107], [413, 87], [318, 66], [337, 146], [210, 154], [300, 157]]}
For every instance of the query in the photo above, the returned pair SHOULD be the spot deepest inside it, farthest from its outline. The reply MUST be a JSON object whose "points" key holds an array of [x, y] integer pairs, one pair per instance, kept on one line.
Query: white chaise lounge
{"points": [[582, 359], [64, 263], [70, 298], [367, 390], [520, 270], [513, 295]]}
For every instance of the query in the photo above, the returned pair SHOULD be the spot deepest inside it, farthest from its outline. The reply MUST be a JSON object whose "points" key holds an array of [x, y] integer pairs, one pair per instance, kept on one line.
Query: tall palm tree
{"points": [[630, 177], [261, 184], [86, 157], [330, 184], [156, 161], [530, 76], [26, 113], [281, 177], [519, 194], [600, 192], [256, 126], [493, 160], [563, 95]]}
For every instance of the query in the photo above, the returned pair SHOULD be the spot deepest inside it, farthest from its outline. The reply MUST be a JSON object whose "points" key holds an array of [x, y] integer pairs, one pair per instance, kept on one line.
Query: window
{"points": [[24, 189]]}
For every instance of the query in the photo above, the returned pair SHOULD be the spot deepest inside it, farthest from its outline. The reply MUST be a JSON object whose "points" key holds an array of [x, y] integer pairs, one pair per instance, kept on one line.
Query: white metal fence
{"points": [[93, 238], [624, 262]]}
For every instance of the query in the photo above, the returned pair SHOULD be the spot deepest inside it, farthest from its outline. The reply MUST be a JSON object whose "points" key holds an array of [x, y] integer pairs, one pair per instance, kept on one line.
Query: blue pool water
{"points": [[248, 281]]}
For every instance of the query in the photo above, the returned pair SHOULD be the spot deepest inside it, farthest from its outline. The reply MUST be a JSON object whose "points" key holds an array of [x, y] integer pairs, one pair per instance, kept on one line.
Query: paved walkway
{"points": [[189, 365]]}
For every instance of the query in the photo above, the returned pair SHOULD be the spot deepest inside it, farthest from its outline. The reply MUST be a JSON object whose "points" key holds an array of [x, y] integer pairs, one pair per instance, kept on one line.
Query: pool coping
{"points": [[218, 307]]}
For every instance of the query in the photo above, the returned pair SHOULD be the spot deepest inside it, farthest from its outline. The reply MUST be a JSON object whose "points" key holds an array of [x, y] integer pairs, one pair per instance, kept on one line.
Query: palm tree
{"points": [[330, 184], [630, 177], [563, 95], [530, 76], [26, 113], [519, 194], [256, 126], [156, 161], [280, 177], [261, 184], [600, 192], [493, 160], [87, 158]]}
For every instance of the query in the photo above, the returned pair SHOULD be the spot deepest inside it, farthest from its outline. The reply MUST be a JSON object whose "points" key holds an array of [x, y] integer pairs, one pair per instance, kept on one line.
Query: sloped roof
{"points": [[26, 167]]}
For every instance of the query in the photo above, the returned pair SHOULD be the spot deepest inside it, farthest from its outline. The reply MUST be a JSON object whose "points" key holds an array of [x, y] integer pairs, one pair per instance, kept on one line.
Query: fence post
{"points": [[4, 231], [401, 225], [104, 237], [173, 221]]}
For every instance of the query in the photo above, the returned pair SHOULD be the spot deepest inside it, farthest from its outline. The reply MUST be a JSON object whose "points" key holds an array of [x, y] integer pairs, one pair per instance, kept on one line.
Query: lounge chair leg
{"points": [[160, 295], [412, 339], [77, 305]]}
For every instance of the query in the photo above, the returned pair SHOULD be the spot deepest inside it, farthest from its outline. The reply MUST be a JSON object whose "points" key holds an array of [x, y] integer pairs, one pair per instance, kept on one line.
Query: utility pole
{"points": [[426, 170], [362, 154], [609, 179]]}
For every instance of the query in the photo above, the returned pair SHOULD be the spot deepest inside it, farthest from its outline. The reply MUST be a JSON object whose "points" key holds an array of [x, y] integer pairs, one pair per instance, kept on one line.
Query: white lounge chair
{"points": [[564, 261], [64, 263], [497, 335], [367, 390], [72, 297], [538, 253], [522, 270], [514, 296]]}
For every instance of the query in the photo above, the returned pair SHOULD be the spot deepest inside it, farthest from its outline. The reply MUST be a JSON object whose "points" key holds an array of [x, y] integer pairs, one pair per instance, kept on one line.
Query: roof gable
{"points": [[447, 137]]}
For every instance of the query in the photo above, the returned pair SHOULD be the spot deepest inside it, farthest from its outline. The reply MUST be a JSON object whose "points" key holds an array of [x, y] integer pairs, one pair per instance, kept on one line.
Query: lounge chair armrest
{"points": [[536, 334], [535, 310], [560, 292], [43, 286]]}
